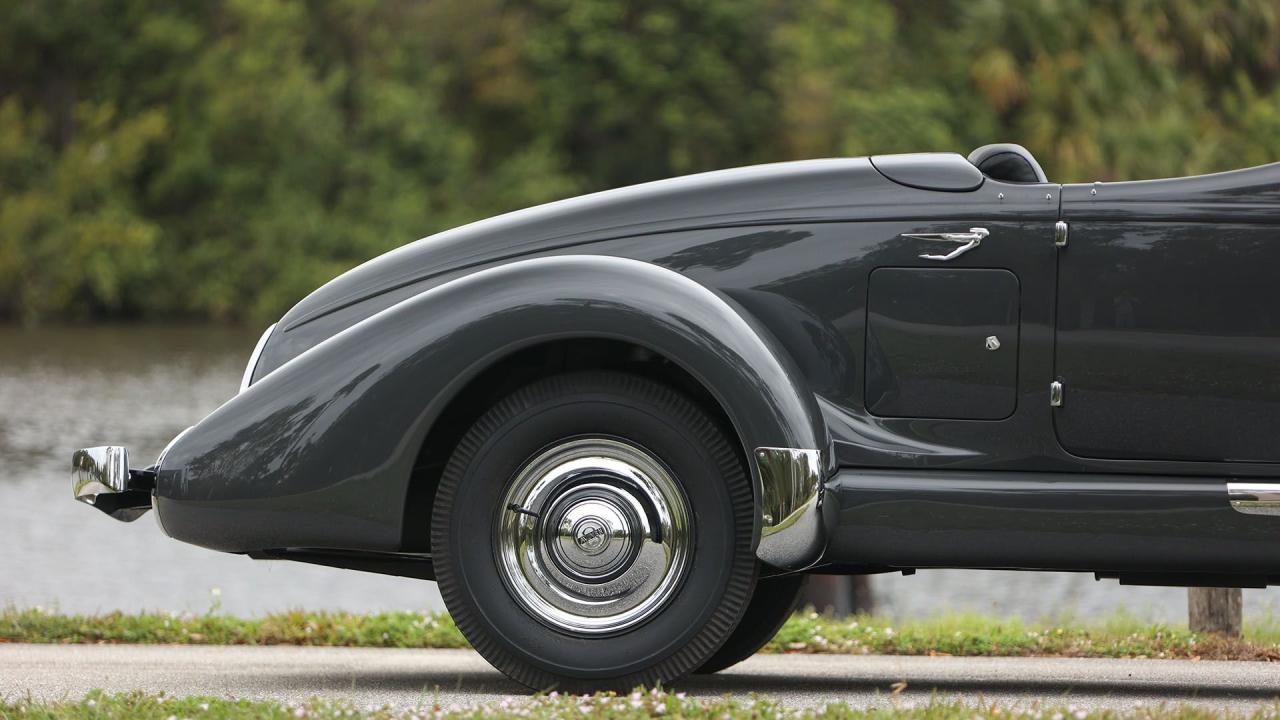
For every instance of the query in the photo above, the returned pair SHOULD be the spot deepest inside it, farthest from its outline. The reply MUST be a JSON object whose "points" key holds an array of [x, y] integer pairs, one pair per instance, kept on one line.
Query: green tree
{"points": [[220, 158]]}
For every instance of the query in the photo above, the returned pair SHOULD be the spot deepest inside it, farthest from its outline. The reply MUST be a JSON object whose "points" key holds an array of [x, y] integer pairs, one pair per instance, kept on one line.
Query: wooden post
{"points": [[1215, 610]]}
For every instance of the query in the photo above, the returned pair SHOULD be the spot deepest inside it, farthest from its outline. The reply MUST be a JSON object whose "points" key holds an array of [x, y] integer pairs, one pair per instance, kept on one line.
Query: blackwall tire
{"points": [[593, 531], [771, 604]]}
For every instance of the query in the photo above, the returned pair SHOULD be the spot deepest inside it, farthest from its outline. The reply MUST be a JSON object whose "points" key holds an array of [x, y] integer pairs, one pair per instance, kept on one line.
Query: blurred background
{"points": [[173, 176]]}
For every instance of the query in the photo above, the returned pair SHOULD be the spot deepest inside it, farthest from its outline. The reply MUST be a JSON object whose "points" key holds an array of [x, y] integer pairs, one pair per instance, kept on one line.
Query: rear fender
{"points": [[319, 452]]}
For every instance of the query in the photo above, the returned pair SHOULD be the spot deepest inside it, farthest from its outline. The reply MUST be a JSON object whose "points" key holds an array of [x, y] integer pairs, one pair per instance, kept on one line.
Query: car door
{"points": [[1168, 319]]}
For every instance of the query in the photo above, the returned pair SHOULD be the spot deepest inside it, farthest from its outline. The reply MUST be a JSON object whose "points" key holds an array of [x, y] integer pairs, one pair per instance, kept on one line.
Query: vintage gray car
{"points": [[617, 430]]}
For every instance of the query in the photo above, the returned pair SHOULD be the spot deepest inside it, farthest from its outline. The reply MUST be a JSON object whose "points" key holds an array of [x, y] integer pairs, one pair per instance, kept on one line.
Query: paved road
{"points": [[407, 678]]}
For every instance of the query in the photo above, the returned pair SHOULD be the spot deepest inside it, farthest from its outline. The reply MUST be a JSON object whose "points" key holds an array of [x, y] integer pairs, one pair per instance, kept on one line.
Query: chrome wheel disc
{"points": [[595, 536]]}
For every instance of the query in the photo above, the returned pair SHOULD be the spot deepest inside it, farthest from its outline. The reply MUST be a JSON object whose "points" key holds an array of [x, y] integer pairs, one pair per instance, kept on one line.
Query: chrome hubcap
{"points": [[595, 536]]}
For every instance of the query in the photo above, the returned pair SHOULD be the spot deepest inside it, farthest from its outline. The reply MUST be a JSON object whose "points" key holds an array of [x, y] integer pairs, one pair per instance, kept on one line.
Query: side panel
{"points": [[809, 284], [1168, 332]]}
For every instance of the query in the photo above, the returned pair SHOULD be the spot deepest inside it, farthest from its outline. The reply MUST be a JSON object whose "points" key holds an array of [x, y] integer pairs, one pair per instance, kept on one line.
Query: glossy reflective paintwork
{"points": [[794, 192], [810, 285], [1126, 524], [757, 282], [930, 171], [934, 343], [1168, 333], [327, 441]]}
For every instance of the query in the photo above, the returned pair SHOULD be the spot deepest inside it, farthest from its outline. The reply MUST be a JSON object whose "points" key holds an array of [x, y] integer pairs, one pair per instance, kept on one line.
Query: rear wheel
{"points": [[593, 531], [771, 604]]}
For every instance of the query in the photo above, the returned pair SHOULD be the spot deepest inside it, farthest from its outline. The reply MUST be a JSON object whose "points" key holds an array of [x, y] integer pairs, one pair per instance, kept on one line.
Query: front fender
{"points": [[318, 453]]}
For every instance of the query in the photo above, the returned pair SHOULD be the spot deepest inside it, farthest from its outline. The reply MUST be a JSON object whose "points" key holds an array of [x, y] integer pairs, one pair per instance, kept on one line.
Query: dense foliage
{"points": [[220, 158]]}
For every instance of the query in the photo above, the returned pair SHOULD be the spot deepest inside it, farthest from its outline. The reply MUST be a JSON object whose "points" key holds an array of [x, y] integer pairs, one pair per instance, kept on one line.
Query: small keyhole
{"points": [[993, 342]]}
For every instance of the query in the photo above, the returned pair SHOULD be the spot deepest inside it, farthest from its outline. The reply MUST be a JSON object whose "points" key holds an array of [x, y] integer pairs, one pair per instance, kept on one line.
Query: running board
{"points": [[412, 565], [1138, 528]]}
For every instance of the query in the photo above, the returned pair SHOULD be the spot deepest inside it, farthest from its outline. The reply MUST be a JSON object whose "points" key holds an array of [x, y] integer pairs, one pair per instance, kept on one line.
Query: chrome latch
{"points": [[1055, 394], [1060, 233]]}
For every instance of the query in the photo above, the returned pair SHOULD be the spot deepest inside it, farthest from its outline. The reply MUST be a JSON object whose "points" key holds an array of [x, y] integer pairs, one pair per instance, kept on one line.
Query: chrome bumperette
{"points": [[247, 378], [791, 534], [100, 477], [98, 471], [1254, 498]]}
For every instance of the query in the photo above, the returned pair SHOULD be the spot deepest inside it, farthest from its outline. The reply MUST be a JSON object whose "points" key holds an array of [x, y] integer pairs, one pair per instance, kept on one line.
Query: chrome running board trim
{"points": [[1255, 498]]}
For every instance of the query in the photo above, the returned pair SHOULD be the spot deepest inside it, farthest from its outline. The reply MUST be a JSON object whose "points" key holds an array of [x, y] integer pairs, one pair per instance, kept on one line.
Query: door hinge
{"points": [[1055, 394], [1060, 233]]}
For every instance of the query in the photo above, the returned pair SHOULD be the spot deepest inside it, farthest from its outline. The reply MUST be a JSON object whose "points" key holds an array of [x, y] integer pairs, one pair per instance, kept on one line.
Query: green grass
{"points": [[398, 629], [1119, 636], [636, 705]]}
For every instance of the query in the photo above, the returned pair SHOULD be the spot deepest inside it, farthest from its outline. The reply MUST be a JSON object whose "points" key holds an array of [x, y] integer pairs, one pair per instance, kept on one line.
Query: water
{"points": [[61, 389], [138, 387]]}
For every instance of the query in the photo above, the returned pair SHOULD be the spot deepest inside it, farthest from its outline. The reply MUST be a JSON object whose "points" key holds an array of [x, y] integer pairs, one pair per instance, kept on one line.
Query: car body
{"points": [[921, 363]]}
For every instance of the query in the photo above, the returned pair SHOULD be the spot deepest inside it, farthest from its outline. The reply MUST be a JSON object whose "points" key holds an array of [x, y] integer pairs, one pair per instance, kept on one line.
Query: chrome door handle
{"points": [[968, 240]]}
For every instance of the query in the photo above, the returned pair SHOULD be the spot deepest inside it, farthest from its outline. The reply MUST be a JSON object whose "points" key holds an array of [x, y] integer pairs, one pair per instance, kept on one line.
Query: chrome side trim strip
{"points": [[1254, 498], [253, 358], [792, 534]]}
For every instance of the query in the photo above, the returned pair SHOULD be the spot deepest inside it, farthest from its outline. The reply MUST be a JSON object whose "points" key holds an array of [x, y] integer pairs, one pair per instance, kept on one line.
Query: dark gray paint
{"points": [[1168, 332], [930, 171], [926, 343], [767, 306], [1116, 524], [319, 452]]}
